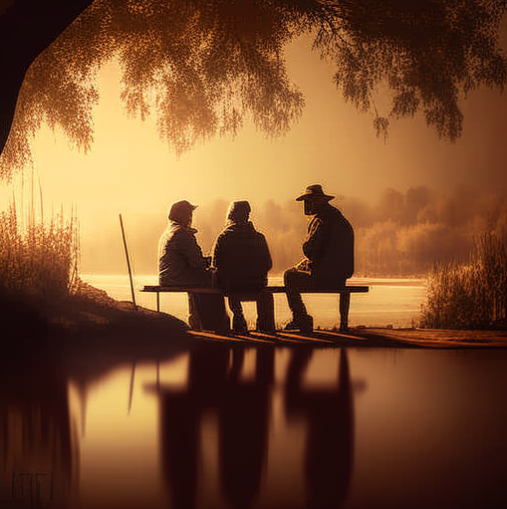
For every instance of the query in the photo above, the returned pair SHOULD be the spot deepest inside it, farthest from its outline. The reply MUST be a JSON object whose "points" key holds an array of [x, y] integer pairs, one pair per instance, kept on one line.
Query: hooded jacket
{"points": [[241, 258], [181, 262]]}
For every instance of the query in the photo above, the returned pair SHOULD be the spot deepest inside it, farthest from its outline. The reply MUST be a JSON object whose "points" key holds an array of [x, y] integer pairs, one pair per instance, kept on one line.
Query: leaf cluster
{"points": [[429, 54], [202, 66]]}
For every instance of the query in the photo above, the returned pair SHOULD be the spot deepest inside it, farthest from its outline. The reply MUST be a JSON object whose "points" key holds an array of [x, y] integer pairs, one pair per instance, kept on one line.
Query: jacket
{"points": [[329, 246], [180, 258], [241, 258]]}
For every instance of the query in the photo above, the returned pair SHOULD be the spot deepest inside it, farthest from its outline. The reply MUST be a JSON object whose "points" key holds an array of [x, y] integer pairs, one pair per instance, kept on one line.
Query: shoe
{"points": [[240, 331], [306, 324], [303, 323], [270, 332], [239, 326], [292, 325]]}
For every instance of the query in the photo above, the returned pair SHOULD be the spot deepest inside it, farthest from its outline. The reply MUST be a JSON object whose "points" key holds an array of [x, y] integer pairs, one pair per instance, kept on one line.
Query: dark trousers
{"points": [[206, 311], [297, 281], [265, 310]]}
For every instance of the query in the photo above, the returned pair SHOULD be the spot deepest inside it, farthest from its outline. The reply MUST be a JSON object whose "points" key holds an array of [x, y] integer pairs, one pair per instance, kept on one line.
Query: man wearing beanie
{"points": [[242, 261]]}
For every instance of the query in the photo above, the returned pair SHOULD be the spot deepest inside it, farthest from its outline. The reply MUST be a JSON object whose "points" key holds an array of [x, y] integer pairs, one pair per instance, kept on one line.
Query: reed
{"points": [[470, 295], [38, 258]]}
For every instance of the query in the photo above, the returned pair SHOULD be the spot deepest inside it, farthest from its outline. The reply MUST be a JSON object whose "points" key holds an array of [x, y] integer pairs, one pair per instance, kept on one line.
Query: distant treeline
{"points": [[402, 234]]}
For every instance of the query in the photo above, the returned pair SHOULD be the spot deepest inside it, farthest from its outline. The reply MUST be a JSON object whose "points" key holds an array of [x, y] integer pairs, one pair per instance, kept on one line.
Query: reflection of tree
{"points": [[36, 450], [205, 65], [329, 417]]}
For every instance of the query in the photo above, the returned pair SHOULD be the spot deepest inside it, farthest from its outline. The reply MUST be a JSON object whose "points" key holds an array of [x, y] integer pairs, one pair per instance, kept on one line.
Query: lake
{"points": [[223, 426]]}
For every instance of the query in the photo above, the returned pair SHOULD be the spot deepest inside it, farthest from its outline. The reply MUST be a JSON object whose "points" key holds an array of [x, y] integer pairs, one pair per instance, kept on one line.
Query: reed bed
{"points": [[470, 295], [38, 258]]}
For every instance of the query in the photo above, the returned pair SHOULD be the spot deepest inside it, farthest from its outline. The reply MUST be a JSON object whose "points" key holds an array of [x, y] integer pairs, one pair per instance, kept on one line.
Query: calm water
{"points": [[262, 428], [222, 427]]}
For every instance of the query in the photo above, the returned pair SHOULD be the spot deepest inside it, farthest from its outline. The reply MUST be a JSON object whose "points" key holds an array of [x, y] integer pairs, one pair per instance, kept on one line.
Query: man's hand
{"points": [[304, 265]]}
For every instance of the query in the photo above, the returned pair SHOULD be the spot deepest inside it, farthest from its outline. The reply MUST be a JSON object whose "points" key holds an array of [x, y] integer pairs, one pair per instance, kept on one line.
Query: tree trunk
{"points": [[27, 28]]}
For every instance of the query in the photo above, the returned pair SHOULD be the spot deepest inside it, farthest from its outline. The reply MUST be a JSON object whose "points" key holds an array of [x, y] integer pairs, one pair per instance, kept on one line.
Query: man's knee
{"points": [[289, 276]]}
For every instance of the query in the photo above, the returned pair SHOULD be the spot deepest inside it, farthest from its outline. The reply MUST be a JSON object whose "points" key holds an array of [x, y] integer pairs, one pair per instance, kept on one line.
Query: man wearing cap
{"points": [[329, 258], [181, 263], [242, 261]]}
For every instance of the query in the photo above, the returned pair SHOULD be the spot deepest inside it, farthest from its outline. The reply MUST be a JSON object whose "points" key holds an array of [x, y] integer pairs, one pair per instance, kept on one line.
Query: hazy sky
{"points": [[129, 169]]}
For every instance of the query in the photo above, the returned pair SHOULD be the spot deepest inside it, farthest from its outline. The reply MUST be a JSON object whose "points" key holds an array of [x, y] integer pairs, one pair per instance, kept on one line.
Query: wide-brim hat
{"points": [[314, 191]]}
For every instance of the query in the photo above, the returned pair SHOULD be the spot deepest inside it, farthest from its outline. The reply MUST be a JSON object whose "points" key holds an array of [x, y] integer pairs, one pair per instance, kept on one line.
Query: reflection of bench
{"points": [[346, 290]]}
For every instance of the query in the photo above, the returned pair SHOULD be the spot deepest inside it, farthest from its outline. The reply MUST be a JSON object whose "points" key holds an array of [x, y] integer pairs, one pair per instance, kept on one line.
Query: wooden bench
{"points": [[272, 289]]}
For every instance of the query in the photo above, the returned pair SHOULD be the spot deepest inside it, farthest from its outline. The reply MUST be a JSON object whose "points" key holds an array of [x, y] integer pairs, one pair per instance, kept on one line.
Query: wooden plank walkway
{"points": [[368, 338]]}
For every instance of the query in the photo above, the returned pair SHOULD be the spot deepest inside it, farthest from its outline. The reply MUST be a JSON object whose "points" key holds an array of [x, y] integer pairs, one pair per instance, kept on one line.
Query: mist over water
{"points": [[402, 234]]}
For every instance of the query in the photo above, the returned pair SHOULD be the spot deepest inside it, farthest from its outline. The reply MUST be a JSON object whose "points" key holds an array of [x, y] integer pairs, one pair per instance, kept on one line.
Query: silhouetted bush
{"points": [[38, 258], [470, 295]]}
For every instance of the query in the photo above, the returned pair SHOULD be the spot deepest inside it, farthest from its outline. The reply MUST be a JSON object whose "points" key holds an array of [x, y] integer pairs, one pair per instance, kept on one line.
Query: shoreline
{"points": [[91, 319]]}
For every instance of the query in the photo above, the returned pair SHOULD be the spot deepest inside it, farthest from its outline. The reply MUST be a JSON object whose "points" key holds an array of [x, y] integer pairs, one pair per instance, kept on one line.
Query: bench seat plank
{"points": [[157, 289], [271, 289]]}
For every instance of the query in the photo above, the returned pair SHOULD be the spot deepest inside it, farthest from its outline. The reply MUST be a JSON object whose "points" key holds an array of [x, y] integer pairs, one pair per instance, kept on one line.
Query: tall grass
{"points": [[38, 258], [470, 295]]}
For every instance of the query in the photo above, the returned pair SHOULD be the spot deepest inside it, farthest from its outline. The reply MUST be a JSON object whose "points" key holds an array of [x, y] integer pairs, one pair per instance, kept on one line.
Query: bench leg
{"points": [[344, 311], [158, 302]]}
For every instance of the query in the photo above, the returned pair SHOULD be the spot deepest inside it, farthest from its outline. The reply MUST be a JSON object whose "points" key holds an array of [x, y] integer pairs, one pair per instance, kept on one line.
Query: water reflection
{"points": [[48, 461], [38, 450], [243, 409], [329, 416], [233, 427]]}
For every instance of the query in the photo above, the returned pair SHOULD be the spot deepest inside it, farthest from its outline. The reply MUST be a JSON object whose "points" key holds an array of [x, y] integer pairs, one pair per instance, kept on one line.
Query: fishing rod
{"points": [[128, 264]]}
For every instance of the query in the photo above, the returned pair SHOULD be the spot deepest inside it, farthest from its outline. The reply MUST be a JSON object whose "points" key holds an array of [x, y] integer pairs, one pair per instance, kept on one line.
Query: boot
{"points": [[303, 323], [239, 326]]}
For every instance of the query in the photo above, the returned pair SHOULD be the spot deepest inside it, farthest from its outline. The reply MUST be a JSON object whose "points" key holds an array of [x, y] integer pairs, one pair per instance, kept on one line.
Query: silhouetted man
{"points": [[329, 258], [242, 260], [181, 263]]}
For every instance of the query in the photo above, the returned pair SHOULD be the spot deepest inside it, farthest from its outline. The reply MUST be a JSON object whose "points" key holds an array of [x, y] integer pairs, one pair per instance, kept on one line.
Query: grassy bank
{"points": [[38, 269], [470, 295], [38, 258]]}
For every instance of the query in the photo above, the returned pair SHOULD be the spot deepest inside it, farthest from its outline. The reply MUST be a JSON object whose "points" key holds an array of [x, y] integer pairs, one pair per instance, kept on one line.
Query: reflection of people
{"points": [[242, 260], [181, 263], [329, 450], [181, 415], [329, 258], [244, 423], [242, 408]]}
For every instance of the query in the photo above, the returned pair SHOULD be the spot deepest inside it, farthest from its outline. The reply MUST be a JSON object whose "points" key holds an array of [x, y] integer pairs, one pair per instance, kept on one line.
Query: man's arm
{"points": [[193, 253], [314, 243], [267, 254]]}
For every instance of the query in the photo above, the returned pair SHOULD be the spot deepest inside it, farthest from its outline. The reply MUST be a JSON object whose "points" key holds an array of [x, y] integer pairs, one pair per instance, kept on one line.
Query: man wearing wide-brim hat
{"points": [[329, 258]]}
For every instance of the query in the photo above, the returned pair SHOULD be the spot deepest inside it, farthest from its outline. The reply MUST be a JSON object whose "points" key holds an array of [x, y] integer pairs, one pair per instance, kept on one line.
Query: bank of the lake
{"points": [[385, 317]]}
